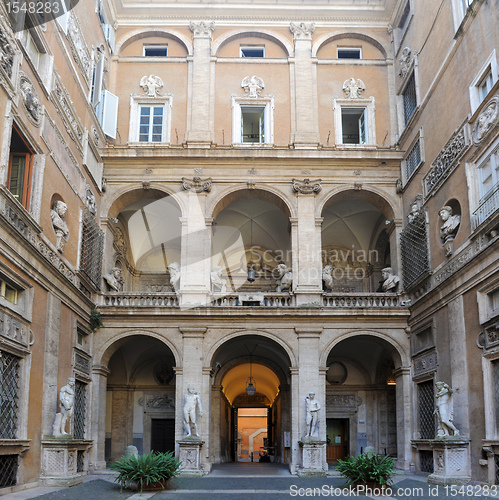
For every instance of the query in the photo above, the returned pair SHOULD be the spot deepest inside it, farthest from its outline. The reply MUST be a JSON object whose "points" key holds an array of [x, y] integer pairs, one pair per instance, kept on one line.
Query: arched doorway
{"points": [[246, 425], [361, 398], [140, 397]]}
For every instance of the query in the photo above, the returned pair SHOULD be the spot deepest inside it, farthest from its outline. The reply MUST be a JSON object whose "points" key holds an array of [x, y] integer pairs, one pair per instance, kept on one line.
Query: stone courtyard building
{"points": [[259, 200]]}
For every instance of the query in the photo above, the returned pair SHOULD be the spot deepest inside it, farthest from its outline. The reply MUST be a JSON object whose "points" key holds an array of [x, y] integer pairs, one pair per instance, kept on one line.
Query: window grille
{"points": [[92, 240], [80, 461], [8, 470], [426, 409], [409, 98], [426, 460], [495, 367], [414, 248], [496, 460], [9, 397], [413, 159], [79, 410]]}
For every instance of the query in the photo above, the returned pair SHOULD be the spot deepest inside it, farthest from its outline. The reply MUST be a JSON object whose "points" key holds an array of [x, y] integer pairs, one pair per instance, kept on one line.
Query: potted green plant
{"points": [[368, 468], [148, 471]]}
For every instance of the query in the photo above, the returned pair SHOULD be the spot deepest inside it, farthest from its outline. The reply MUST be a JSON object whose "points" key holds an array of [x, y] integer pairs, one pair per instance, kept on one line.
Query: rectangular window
{"points": [[253, 124], [488, 174], [252, 51], [495, 376], [9, 395], [31, 48], [349, 53], [494, 298], [413, 159], [354, 125], [8, 470], [155, 50], [8, 291], [485, 85], [426, 408], [409, 99], [151, 123], [79, 410], [19, 176], [92, 243]]}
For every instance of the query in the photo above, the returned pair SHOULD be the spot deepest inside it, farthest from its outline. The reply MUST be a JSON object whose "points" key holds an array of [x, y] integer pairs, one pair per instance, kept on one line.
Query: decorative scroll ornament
{"points": [[253, 86], [405, 61], [30, 99], [151, 85], [306, 186], [119, 241], [202, 28], [353, 88], [301, 29], [486, 121], [197, 185]]}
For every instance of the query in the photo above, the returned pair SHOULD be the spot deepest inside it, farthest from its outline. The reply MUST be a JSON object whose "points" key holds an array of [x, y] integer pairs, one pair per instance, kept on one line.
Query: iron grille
{"points": [[8, 470], [80, 461], [495, 365], [414, 248], [79, 410], [426, 460], [426, 409], [92, 242], [496, 460], [413, 159], [9, 398], [409, 98]]}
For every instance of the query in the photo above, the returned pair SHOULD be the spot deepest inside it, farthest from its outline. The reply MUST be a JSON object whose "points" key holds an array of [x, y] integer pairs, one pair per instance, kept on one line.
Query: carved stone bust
{"points": [[449, 228], [114, 279], [57, 214]]}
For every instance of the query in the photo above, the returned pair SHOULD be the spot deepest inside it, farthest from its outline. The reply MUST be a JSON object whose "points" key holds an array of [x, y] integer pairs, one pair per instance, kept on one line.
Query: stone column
{"points": [[305, 87], [404, 417], [99, 390], [214, 441], [204, 427], [196, 254], [198, 119], [295, 420], [307, 265], [121, 420]]}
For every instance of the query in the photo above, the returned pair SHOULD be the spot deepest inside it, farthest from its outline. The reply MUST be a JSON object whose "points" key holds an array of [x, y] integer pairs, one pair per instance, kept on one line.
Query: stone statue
{"points": [[57, 213], [391, 281], [132, 450], [67, 398], [327, 277], [174, 269], [414, 211], [114, 279], [218, 284], [253, 86], [353, 88], [151, 84], [445, 410], [312, 407], [285, 278], [405, 61], [449, 228], [192, 400], [90, 201]]}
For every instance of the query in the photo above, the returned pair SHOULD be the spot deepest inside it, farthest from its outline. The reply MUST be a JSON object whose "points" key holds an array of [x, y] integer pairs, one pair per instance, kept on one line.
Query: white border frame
{"points": [[349, 48], [241, 47], [370, 106], [135, 102], [474, 95], [268, 104], [154, 46]]}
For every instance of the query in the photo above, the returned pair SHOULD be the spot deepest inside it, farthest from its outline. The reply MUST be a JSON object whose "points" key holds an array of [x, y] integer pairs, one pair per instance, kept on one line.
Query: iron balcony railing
{"points": [[488, 206]]}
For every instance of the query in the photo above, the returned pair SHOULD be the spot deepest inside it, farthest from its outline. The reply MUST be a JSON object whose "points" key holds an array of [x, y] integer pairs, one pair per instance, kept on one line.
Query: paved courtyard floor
{"points": [[236, 481]]}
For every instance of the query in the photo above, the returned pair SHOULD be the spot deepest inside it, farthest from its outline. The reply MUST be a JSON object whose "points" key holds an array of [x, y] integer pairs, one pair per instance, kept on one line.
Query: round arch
{"points": [[338, 36], [129, 194], [106, 350], [210, 355], [147, 32], [267, 34], [399, 354], [371, 195], [241, 192]]}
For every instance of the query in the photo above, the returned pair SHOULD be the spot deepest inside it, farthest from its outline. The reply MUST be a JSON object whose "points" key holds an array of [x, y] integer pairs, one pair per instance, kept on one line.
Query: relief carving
{"points": [[306, 186], [487, 120], [30, 99], [7, 50], [338, 401], [197, 185], [151, 85], [119, 241], [162, 401], [302, 29], [79, 47], [253, 86], [202, 28], [405, 61], [353, 88]]}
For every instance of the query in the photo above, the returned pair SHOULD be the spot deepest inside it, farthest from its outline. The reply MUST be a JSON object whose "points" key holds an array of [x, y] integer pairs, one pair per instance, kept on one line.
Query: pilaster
{"points": [[99, 390]]}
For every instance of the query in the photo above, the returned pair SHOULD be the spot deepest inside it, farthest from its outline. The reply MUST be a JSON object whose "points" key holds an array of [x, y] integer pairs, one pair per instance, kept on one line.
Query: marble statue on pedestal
{"points": [[445, 410], [174, 269], [312, 407], [218, 284], [67, 398], [192, 402], [57, 214]]}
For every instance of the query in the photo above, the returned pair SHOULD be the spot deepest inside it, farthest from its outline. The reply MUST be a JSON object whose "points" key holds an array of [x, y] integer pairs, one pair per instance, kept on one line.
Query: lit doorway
{"points": [[337, 433], [252, 435]]}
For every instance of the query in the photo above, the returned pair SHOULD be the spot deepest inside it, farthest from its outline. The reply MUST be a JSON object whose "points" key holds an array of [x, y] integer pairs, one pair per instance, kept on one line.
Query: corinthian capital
{"points": [[302, 29], [202, 28]]}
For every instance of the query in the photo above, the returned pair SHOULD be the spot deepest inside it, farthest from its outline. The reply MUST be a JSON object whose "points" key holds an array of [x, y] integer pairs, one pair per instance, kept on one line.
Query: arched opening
{"points": [[361, 408], [250, 426], [262, 222], [355, 235], [140, 397]]}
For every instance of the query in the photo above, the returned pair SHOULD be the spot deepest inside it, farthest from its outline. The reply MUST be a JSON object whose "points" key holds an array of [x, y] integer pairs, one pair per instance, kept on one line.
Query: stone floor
{"points": [[243, 481]]}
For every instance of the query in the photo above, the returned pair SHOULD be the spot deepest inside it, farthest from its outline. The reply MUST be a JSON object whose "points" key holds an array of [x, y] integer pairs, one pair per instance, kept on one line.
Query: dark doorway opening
{"points": [[163, 434]]}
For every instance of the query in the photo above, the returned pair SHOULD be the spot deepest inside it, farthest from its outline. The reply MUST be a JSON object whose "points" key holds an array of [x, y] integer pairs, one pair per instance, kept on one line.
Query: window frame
{"points": [[401, 29], [490, 66], [370, 107], [151, 124], [252, 47], [491, 418], [245, 102], [145, 47], [357, 49], [406, 177], [136, 102]]}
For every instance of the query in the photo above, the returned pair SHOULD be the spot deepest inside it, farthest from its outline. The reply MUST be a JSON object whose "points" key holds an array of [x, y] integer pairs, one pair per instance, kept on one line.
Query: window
{"points": [[92, 243], [354, 121], [349, 53], [155, 50], [402, 23], [495, 376], [426, 408], [64, 18], [413, 159], [20, 169], [9, 395], [486, 78], [488, 174], [31, 48], [8, 291], [252, 120], [252, 51], [79, 410], [353, 126], [106, 26], [151, 123], [409, 98]]}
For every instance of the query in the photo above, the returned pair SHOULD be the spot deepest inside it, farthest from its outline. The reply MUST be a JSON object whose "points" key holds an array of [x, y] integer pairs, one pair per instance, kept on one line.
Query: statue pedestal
{"points": [[64, 460], [313, 458], [451, 461], [189, 455]]}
